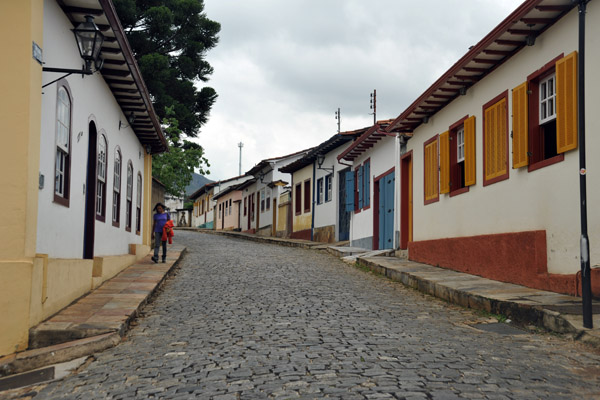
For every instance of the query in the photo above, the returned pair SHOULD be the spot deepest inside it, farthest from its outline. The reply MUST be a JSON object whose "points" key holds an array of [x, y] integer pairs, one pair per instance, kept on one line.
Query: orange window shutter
{"points": [[566, 103], [470, 168], [490, 117], [445, 162], [431, 171], [520, 126], [495, 140]]}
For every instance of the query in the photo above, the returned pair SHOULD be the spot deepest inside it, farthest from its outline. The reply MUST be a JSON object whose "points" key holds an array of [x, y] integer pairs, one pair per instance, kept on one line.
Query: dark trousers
{"points": [[157, 242]]}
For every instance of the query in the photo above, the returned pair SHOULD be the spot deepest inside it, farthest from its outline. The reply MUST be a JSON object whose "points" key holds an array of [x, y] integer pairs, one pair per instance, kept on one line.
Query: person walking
{"points": [[160, 219]]}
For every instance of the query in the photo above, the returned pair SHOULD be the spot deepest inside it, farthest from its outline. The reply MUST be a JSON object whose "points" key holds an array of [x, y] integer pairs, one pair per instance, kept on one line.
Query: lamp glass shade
{"points": [[320, 159], [89, 39]]}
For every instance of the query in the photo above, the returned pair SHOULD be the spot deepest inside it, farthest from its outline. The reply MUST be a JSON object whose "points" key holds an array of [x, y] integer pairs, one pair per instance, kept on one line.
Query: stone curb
{"points": [[261, 239], [549, 320], [36, 358]]}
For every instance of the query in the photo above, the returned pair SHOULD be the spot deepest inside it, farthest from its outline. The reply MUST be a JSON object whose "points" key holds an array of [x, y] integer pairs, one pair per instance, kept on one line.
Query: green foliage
{"points": [[170, 39], [175, 167]]}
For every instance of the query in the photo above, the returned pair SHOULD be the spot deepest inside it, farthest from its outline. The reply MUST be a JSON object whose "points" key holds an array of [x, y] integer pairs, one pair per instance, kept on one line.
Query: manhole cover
{"points": [[499, 328]]}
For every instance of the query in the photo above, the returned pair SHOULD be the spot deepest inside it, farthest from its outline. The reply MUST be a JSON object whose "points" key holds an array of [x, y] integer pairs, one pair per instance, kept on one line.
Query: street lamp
{"points": [[320, 161], [89, 43]]}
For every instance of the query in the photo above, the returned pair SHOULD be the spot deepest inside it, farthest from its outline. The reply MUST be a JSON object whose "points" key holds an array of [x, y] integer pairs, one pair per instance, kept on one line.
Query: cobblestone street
{"points": [[246, 320]]}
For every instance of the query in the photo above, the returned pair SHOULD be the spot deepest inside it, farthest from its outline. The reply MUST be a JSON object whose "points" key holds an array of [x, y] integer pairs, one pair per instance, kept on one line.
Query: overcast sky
{"points": [[283, 67]]}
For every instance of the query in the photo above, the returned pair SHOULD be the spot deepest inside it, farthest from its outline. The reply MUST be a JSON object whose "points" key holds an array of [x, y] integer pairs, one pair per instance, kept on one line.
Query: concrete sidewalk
{"points": [[551, 311], [95, 321]]}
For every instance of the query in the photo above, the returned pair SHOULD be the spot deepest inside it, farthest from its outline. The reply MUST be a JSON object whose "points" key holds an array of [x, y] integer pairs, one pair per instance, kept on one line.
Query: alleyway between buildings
{"points": [[246, 320]]}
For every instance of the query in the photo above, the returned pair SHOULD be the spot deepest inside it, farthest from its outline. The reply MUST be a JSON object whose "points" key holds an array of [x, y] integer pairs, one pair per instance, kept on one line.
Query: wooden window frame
{"points": [[64, 199], [535, 135], [268, 199], [307, 196], [366, 179], [138, 203], [484, 108], [101, 185], [129, 196], [117, 181], [455, 172], [320, 187], [245, 206], [436, 169], [328, 188], [298, 199]]}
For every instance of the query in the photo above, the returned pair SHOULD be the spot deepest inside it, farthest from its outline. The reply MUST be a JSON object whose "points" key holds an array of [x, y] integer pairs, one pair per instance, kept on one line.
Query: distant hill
{"points": [[197, 182]]}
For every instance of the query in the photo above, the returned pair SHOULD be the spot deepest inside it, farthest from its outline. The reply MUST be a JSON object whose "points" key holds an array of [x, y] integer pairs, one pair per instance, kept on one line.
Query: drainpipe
{"points": [[314, 185], [586, 279]]}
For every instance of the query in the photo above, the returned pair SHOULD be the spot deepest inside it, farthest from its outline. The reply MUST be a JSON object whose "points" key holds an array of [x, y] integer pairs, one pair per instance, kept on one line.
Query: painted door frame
{"points": [[89, 229], [406, 199], [376, 201]]}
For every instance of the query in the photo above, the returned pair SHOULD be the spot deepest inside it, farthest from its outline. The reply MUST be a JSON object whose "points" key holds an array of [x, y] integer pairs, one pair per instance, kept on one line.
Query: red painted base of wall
{"points": [[304, 235], [519, 257], [250, 231]]}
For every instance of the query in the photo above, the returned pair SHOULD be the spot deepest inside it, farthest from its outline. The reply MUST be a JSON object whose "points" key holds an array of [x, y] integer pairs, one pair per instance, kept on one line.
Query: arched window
{"points": [[101, 179], [63, 147], [116, 204], [129, 196], [138, 205]]}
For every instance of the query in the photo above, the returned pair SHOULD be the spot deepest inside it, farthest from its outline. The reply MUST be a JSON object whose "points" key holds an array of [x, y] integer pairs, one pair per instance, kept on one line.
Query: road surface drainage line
{"points": [[499, 328]]}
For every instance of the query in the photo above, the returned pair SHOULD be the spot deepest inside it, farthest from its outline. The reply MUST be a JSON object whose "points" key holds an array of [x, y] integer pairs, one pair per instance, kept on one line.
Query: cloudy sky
{"points": [[283, 67]]}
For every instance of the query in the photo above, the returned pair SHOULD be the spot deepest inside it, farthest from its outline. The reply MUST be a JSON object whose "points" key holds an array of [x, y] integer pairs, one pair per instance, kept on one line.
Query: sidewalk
{"points": [[94, 322], [551, 311]]}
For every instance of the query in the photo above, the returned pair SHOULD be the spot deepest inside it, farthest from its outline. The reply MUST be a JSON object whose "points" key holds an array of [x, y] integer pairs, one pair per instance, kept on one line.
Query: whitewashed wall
{"points": [[60, 229], [545, 199], [383, 155], [327, 213]]}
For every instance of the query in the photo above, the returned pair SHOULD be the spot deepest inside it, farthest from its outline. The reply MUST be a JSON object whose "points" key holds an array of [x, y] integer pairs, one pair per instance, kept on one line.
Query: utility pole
{"points": [[586, 279], [339, 118], [240, 145], [374, 105]]}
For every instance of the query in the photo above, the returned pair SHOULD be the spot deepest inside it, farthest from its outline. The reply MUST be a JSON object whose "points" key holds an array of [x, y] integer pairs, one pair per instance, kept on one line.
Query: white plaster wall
{"points": [[60, 229], [383, 157], [545, 199], [327, 213]]}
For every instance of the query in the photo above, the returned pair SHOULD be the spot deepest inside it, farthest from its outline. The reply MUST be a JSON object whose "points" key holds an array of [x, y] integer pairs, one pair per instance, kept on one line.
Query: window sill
{"points": [[496, 179], [100, 218], [116, 224], [63, 201], [459, 191], [541, 164], [433, 200], [137, 233], [128, 229]]}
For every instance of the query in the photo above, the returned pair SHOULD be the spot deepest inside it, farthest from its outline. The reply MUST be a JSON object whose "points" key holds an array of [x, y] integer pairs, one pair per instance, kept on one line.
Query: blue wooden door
{"points": [[346, 202], [386, 211]]}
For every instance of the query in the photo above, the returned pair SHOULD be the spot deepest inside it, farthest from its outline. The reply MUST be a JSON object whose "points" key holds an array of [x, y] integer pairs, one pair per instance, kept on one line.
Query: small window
{"points": [[138, 205], [129, 196], [101, 179], [328, 187], [230, 207], [307, 195], [320, 191], [262, 200], [63, 147], [245, 206], [116, 203], [298, 199], [460, 144], [547, 99], [268, 201]]}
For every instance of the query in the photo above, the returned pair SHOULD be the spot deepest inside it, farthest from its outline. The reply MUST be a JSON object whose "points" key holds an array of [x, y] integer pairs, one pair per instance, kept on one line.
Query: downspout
{"points": [[586, 279], [314, 185]]}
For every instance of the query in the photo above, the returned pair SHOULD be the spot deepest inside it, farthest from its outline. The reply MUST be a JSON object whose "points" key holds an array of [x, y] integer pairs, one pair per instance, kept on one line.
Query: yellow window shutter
{"points": [[495, 140], [445, 162], [470, 151], [566, 103], [431, 171], [520, 126]]}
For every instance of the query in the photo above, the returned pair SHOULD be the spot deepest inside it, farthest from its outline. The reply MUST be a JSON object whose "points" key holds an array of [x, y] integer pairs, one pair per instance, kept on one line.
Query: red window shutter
{"points": [[566, 103], [520, 126], [470, 167], [445, 162]]}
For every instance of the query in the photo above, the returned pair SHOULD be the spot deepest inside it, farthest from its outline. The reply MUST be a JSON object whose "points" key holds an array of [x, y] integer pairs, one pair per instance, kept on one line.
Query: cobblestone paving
{"points": [[247, 320]]}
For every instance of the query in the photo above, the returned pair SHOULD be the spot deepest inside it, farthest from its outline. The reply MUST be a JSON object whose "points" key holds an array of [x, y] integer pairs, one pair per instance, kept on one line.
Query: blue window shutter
{"points": [[349, 201], [360, 186], [367, 185]]}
